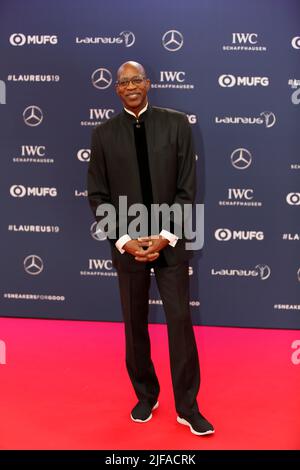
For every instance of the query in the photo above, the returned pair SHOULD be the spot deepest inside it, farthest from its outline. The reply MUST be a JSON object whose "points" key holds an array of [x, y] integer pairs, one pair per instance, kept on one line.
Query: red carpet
{"points": [[64, 386]]}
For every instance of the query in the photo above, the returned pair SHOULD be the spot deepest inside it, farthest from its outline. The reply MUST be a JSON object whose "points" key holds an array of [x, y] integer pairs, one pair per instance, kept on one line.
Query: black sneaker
{"points": [[198, 424], [142, 412]]}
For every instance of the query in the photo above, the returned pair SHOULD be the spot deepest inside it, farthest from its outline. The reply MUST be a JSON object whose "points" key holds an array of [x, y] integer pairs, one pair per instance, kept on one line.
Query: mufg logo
{"points": [[2, 352], [2, 92]]}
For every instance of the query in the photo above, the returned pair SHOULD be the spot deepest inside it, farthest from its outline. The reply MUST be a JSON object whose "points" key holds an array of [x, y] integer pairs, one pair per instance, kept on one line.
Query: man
{"points": [[146, 154]]}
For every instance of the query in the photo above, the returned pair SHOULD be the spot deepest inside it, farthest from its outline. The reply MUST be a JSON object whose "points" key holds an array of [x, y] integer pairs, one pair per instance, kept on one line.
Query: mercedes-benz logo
{"points": [[264, 271], [97, 233], [269, 118], [296, 42], [33, 116], [129, 38], [33, 265], [241, 158], [172, 40], [101, 78]]}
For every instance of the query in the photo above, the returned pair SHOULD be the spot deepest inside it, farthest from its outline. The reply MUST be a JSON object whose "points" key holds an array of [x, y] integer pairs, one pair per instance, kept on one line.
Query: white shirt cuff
{"points": [[169, 236], [121, 242]]}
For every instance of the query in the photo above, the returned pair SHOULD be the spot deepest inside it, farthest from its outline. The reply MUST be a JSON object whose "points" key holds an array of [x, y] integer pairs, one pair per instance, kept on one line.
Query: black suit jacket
{"points": [[113, 170]]}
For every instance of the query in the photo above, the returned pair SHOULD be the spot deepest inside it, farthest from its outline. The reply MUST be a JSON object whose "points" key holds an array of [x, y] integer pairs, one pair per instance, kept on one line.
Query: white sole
{"points": [[186, 423], [149, 417]]}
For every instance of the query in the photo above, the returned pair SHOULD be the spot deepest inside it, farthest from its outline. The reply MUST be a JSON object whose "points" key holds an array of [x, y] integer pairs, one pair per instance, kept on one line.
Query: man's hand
{"points": [[136, 249], [155, 244]]}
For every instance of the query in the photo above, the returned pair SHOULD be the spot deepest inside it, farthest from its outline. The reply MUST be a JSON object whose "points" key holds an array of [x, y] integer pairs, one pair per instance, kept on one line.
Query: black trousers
{"points": [[173, 285]]}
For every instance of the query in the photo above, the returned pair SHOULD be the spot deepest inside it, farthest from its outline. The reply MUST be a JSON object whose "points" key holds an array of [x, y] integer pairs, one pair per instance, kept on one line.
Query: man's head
{"points": [[132, 86]]}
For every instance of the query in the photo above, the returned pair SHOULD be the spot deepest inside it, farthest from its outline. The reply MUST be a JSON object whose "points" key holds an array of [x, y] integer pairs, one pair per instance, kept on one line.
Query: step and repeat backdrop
{"points": [[234, 68]]}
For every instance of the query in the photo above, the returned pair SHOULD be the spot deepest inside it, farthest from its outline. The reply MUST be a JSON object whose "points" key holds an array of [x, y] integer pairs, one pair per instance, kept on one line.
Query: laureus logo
{"points": [[269, 118], [128, 37], [264, 271]]}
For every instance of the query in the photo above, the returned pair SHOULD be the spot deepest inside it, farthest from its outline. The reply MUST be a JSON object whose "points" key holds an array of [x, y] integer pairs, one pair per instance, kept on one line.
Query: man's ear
{"points": [[148, 84]]}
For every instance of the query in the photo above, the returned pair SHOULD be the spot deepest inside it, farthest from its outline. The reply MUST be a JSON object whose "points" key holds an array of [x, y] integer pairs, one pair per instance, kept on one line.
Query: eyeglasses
{"points": [[124, 82]]}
